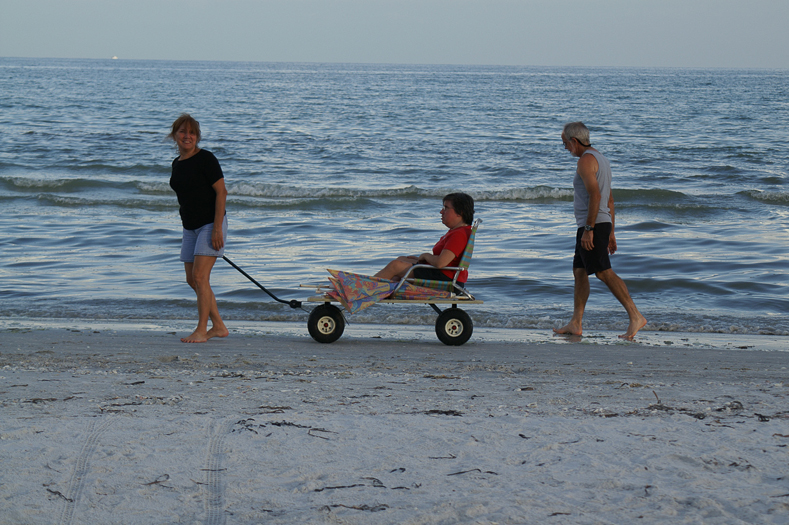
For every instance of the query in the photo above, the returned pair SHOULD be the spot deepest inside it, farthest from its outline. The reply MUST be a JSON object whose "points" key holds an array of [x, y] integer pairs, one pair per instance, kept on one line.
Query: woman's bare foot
{"points": [[196, 337], [569, 329], [634, 327], [218, 331]]}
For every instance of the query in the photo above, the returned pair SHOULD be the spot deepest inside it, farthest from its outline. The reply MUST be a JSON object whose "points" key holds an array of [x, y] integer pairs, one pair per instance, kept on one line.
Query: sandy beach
{"points": [[130, 426]]}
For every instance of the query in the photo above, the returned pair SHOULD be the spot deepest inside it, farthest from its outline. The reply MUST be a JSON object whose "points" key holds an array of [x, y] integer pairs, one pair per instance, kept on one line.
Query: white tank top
{"points": [[581, 199]]}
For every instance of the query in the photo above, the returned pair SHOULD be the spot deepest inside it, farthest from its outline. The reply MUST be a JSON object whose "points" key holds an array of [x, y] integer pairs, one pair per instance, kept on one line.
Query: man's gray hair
{"points": [[577, 130]]}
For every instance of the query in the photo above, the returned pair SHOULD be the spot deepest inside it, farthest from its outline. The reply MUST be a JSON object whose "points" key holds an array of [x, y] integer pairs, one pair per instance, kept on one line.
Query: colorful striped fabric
{"points": [[357, 292], [435, 285], [465, 261]]}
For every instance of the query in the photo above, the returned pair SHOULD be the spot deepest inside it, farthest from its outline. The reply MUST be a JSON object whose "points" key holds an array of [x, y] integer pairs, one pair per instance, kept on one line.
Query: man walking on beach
{"points": [[594, 215]]}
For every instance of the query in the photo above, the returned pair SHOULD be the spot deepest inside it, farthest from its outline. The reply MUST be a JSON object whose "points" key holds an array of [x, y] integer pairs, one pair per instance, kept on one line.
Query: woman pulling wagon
{"points": [[200, 186]]}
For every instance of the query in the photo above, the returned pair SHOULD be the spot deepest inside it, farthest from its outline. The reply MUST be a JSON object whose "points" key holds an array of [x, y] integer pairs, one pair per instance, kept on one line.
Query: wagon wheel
{"points": [[454, 327], [326, 323]]}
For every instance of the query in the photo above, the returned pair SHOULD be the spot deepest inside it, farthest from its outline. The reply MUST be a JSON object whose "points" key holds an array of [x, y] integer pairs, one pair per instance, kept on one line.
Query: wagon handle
{"points": [[293, 303]]}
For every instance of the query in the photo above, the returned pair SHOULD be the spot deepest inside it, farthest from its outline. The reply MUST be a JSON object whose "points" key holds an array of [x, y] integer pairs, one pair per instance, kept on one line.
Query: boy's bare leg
{"points": [[396, 269]]}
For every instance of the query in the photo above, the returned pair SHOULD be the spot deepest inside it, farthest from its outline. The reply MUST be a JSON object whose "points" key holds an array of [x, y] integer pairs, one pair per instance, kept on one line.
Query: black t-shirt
{"points": [[193, 181]]}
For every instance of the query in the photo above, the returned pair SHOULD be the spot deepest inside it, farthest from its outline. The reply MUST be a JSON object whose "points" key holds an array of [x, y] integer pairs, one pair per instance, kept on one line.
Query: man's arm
{"points": [[612, 237], [587, 170]]}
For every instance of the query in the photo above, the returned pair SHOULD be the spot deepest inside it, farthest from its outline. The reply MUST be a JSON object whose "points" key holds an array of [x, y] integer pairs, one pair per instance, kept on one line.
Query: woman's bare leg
{"points": [[198, 276]]}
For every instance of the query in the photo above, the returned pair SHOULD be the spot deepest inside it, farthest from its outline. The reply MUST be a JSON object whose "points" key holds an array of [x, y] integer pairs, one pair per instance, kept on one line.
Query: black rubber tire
{"points": [[454, 327], [326, 323]]}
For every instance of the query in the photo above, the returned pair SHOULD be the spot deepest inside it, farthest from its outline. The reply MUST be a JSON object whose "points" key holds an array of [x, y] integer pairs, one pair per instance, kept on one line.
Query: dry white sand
{"points": [[134, 427]]}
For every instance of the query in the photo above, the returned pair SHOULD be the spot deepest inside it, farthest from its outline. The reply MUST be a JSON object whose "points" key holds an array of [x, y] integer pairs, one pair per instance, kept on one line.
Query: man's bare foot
{"points": [[634, 327], [569, 329], [196, 337], [218, 331]]}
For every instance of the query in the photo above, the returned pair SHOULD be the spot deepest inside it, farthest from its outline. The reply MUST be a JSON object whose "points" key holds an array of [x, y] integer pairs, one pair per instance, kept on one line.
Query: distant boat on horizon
{"points": [[114, 58]]}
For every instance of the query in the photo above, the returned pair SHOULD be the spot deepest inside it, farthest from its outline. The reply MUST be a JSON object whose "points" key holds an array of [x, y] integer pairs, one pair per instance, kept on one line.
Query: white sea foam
{"points": [[780, 197]]}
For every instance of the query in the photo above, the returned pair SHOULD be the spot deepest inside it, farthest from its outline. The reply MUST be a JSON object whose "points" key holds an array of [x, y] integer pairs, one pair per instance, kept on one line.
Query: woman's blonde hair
{"points": [[191, 123]]}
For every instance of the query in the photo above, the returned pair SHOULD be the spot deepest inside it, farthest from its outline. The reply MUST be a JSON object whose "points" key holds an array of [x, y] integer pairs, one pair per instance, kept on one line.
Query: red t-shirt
{"points": [[455, 241]]}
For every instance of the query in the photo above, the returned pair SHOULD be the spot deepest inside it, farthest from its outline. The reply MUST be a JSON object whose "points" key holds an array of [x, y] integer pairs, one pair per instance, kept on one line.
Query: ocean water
{"points": [[343, 166]]}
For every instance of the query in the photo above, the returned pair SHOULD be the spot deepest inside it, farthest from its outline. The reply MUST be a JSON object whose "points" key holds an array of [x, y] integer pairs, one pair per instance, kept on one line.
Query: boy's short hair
{"points": [[463, 204]]}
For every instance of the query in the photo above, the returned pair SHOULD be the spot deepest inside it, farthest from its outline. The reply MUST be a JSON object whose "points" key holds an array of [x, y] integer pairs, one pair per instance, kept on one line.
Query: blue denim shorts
{"points": [[198, 242]]}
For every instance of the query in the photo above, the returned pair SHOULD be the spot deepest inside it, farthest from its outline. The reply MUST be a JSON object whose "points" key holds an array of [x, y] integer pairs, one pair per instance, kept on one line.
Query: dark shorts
{"points": [[596, 259], [432, 274]]}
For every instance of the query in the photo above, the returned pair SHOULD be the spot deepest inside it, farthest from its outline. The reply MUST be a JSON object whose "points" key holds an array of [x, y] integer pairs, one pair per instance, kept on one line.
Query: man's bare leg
{"points": [[580, 296], [619, 289], [198, 276]]}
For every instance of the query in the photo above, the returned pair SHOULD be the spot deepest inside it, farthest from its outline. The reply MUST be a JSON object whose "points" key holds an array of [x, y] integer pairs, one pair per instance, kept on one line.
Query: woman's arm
{"points": [[217, 239]]}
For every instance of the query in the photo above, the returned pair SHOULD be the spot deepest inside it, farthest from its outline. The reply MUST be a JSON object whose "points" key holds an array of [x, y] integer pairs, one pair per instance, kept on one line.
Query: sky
{"points": [[657, 33]]}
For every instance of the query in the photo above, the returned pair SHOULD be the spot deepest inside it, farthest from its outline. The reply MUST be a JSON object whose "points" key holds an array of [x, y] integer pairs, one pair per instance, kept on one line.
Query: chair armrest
{"points": [[456, 269]]}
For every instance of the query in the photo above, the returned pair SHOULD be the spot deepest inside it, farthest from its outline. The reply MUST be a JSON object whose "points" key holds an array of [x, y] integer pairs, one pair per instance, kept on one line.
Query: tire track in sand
{"points": [[77, 481], [214, 473]]}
